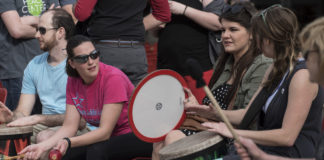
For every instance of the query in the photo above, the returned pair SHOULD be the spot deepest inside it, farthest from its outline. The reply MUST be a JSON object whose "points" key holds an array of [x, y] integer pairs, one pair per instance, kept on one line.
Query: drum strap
{"points": [[255, 108]]}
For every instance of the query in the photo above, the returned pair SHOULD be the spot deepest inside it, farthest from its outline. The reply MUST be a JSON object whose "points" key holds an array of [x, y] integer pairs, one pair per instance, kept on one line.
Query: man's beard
{"points": [[49, 45]]}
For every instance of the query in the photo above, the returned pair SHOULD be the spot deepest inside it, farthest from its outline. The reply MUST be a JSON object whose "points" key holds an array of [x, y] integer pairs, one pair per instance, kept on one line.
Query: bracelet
{"points": [[184, 11], [69, 142]]}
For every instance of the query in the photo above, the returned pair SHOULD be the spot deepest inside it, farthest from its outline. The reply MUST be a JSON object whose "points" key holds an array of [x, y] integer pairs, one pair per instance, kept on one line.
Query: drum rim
{"points": [[132, 100], [14, 131], [194, 148]]}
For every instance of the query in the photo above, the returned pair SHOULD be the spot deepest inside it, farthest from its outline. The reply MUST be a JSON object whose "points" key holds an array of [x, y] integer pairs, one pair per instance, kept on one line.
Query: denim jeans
{"points": [[13, 87]]}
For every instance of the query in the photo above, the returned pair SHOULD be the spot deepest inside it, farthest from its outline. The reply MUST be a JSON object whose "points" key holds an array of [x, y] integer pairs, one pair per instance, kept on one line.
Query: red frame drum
{"points": [[156, 106]]}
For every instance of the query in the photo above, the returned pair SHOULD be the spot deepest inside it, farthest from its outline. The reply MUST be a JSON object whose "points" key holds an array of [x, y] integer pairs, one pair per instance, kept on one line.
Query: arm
{"points": [[160, 14], [300, 96], [69, 129], [206, 19], [68, 8], [15, 27], [251, 151], [108, 120], [83, 9]]}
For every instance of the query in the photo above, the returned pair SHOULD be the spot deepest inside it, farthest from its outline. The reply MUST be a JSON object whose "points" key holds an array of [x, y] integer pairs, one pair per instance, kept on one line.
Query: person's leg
{"points": [[171, 137], [127, 146], [13, 87], [130, 59], [43, 136]]}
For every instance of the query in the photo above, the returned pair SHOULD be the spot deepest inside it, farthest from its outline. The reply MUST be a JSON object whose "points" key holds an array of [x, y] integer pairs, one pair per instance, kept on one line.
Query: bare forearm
{"points": [[205, 19], [94, 136], [151, 22], [51, 120]]}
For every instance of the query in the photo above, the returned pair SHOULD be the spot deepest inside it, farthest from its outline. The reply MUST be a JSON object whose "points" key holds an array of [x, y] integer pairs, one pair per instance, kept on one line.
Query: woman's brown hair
{"points": [[279, 25], [243, 17]]}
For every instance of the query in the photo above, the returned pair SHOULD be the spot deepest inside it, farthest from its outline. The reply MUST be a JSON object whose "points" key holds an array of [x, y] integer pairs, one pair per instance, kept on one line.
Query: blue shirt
{"points": [[49, 82]]}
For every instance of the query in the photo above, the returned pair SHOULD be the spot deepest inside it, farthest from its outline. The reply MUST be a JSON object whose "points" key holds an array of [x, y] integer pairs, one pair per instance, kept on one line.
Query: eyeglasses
{"points": [[235, 9], [84, 58], [265, 11], [42, 30]]}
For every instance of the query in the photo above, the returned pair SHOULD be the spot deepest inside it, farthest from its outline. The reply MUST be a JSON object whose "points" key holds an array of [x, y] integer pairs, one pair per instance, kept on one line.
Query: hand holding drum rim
{"points": [[6, 114]]}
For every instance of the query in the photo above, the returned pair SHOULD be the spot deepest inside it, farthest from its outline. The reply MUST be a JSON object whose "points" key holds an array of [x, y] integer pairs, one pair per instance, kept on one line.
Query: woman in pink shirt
{"points": [[99, 93]]}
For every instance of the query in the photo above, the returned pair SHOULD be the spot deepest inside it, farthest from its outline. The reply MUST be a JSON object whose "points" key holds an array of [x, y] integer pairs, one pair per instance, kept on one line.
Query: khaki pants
{"points": [[39, 127]]}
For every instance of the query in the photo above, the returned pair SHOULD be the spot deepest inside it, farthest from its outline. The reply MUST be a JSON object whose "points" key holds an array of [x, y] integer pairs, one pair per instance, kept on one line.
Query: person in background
{"points": [[99, 93], [117, 29]]}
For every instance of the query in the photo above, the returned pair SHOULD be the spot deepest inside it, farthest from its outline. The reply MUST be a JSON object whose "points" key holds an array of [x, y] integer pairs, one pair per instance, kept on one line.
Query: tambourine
{"points": [[156, 106]]}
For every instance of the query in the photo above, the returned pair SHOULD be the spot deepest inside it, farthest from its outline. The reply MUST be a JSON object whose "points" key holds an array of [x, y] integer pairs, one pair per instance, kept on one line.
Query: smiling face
{"points": [[47, 40], [236, 38], [88, 71]]}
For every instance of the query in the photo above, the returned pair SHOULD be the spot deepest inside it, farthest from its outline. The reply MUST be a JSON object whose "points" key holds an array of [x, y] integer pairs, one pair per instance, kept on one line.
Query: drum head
{"points": [[156, 106], [190, 145]]}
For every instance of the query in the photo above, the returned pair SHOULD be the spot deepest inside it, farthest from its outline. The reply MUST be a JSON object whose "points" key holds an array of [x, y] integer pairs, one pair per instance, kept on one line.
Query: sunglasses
{"points": [[235, 9], [265, 11], [42, 30], [84, 58]]}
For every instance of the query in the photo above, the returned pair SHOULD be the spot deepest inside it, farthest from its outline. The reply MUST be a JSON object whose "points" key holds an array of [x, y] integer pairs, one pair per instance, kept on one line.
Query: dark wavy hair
{"points": [[243, 17], [280, 26], [72, 43], [62, 18]]}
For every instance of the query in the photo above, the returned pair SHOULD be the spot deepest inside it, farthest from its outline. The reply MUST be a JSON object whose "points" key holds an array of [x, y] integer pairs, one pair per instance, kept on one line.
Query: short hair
{"points": [[61, 18], [72, 43]]}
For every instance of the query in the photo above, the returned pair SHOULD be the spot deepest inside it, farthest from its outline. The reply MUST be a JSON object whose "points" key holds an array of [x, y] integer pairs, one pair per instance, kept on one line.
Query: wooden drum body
{"points": [[14, 139], [201, 146]]}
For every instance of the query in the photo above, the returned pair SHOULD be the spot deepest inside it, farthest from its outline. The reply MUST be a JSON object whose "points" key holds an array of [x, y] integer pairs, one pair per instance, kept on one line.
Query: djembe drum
{"points": [[204, 145], [14, 139]]}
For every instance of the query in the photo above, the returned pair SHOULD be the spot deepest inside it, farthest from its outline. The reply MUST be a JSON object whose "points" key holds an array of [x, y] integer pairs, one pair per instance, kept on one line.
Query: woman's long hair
{"points": [[238, 70], [279, 25]]}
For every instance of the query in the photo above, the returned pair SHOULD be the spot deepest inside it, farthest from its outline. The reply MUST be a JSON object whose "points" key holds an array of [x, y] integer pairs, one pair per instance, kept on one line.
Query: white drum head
{"points": [[156, 106]]}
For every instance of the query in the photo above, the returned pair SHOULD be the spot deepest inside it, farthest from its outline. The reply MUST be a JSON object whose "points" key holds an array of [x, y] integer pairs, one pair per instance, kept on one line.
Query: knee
{"points": [[44, 135], [173, 136]]}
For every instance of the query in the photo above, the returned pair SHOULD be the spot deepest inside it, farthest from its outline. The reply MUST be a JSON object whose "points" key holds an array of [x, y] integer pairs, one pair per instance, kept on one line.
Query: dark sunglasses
{"points": [[84, 58], [42, 30], [235, 9], [263, 13]]}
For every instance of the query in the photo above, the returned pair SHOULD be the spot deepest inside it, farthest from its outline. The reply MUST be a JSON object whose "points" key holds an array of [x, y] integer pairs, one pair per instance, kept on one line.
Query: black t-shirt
{"points": [[181, 39], [118, 19]]}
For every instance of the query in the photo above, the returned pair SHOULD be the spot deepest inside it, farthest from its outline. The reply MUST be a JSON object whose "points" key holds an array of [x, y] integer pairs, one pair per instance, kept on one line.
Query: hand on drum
{"points": [[201, 110], [220, 128], [25, 121], [5, 113], [191, 100], [33, 151]]}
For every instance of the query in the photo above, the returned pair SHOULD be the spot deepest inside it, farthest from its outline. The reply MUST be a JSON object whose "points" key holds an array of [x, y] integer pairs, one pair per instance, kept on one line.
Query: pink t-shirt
{"points": [[110, 86]]}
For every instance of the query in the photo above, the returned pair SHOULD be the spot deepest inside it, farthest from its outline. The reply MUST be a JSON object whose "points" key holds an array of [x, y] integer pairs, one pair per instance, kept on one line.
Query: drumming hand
{"points": [[62, 146], [191, 100], [220, 128], [25, 121], [5, 113], [33, 151], [248, 150], [201, 110], [176, 7]]}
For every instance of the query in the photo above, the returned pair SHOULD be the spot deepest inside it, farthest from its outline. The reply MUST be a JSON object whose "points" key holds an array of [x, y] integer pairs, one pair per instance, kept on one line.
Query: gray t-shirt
{"points": [[16, 53]]}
